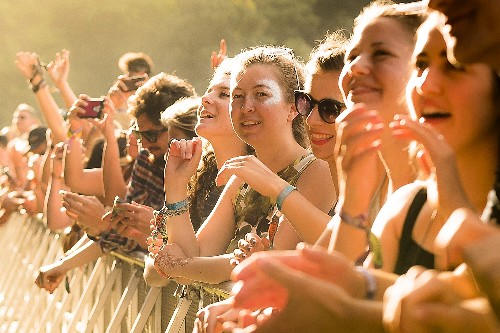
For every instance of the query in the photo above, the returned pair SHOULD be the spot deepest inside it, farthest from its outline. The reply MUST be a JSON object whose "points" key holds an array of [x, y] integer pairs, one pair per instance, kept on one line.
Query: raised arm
{"points": [[29, 66], [87, 182]]}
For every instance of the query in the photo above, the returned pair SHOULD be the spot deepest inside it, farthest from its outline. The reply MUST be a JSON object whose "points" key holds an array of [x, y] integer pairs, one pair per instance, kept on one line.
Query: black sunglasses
{"points": [[328, 109], [151, 136]]}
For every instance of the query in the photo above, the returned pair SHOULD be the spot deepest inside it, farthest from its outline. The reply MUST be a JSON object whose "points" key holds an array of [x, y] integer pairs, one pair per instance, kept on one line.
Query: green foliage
{"points": [[179, 35]]}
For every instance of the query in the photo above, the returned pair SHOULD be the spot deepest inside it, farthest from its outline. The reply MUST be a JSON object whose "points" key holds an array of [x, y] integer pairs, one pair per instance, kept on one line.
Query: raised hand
{"points": [[182, 159], [27, 63], [359, 134], [58, 69], [252, 171], [217, 58], [439, 159], [250, 244]]}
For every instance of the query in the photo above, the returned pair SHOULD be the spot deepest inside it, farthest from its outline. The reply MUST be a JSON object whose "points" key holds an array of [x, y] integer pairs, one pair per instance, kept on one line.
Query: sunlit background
{"points": [[179, 35]]}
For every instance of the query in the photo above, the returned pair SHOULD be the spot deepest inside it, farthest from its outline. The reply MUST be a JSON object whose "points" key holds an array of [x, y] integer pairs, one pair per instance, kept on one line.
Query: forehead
{"points": [[254, 75], [144, 124], [220, 80], [323, 84], [385, 30], [430, 39]]}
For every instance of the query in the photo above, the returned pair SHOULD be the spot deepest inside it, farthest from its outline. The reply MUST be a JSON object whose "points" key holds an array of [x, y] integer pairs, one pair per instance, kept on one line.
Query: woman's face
{"points": [[457, 101], [322, 85], [377, 67], [259, 111], [213, 114]]}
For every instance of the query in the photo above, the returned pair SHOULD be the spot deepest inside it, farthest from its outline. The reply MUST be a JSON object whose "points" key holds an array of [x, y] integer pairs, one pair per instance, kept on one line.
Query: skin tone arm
{"points": [[114, 184], [56, 219], [25, 62], [58, 70], [305, 209], [79, 180], [51, 275]]}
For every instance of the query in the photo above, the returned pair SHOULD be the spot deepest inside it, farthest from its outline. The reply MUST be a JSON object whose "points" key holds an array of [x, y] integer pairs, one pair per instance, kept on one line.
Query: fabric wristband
{"points": [[283, 194], [370, 281]]}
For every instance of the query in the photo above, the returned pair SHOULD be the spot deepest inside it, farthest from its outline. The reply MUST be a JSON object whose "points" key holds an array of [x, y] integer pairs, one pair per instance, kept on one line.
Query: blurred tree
{"points": [[179, 35]]}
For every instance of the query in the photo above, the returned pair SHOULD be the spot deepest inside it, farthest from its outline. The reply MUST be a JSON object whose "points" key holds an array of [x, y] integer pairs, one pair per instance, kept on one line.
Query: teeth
{"points": [[250, 123], [321, 136]]}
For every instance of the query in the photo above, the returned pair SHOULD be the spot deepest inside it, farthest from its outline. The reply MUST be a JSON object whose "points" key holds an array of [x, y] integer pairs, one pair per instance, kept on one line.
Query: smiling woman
{"points": [[263, 114]]}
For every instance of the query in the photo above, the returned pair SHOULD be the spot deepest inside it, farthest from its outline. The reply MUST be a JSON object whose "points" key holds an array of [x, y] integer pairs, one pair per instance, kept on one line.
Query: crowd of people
{"points": [[358, 192]]}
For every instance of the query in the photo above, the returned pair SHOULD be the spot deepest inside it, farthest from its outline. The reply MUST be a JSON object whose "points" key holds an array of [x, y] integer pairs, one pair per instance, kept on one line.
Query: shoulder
{"points": [[317, 172], [394, 211]]}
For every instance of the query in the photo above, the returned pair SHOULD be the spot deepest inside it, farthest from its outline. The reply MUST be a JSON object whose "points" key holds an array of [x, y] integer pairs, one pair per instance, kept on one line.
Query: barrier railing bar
{"points": [[146, 309], [127, 295], [104, 295]]}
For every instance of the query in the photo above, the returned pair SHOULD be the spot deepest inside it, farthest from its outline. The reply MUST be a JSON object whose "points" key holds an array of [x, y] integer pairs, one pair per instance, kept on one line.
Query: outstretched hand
{"points": [[58, 69], [217, 58]]}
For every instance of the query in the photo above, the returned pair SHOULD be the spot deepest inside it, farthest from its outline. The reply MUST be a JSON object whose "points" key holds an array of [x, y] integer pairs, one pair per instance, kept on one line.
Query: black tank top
{"points": [[410, 253]]}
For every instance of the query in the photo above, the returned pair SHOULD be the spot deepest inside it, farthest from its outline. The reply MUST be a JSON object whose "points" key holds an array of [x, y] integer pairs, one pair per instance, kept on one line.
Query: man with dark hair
{"points": [[135, 63]]}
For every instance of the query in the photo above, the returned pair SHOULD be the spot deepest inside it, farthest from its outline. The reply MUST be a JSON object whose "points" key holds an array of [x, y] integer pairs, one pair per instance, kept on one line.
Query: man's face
{"points": [[475, 25], [158, 132]]}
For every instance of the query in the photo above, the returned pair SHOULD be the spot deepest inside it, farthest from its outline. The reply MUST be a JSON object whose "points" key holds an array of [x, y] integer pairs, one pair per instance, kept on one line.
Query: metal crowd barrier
{"points": [[108, 296]]}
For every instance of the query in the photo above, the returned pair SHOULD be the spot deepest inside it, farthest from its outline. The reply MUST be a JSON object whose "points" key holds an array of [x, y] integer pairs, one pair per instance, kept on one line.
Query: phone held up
{"points": [[93, 109]]}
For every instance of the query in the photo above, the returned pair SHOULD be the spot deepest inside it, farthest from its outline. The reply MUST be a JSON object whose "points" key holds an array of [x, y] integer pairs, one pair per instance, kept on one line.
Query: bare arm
{"points": [[26, 63], [87, 182]]}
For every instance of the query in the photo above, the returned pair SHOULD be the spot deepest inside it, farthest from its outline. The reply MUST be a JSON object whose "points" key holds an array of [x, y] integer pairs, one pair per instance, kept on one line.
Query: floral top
{"points": [[254, 212]]}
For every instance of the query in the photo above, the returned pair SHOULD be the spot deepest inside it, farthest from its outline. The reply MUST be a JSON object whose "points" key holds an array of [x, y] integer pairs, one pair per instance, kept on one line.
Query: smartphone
{"points": [[130, 82], [115, 210], [93, 109]]}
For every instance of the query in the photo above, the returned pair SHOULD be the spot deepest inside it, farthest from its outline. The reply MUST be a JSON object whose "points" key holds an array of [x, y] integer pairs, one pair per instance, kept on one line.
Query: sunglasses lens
{"points": [[329, 110], [303, 103]]}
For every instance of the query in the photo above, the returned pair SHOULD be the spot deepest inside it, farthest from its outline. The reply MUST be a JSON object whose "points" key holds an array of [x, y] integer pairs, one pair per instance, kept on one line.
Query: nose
{"points": [[247, 105], [359, 66], [429, 82], [314, 119], [206, 99]]}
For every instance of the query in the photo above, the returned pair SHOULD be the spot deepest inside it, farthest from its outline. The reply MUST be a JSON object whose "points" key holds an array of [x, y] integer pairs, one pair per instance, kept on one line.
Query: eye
{"points": [[261, 94], [223, 94], [380, 53], [236, 95]]}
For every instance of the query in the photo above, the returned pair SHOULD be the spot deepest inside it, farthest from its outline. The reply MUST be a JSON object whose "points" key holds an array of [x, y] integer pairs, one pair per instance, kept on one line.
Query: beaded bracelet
{"points": [[361, 222], [283, 194]]}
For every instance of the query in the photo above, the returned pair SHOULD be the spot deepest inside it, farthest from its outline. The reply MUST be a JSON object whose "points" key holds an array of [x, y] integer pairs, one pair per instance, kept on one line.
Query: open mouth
{"points": [[436, 115], [250, 123]]}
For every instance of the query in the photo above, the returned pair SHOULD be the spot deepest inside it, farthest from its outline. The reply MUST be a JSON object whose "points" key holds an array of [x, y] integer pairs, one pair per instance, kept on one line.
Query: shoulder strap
{"points": [[411, 218], [301, 166]]}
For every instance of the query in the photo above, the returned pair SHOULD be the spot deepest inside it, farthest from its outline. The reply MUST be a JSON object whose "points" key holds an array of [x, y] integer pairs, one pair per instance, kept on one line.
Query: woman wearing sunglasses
{"points": [[263, 115]]}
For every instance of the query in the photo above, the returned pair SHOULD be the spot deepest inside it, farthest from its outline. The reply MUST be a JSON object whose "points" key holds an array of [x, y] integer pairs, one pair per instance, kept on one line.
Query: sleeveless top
{"points": [[254, 212], [410, 253]]}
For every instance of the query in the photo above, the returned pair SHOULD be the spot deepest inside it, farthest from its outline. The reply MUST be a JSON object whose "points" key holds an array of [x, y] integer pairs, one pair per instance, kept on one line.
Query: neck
{"points": [[333, 172], [396, 160], [226, 149], [477, 164], [279, 154]]}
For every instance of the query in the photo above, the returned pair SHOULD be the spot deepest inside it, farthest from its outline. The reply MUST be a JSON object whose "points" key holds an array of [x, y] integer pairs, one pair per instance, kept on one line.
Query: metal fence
{"points": [[109, 295]]}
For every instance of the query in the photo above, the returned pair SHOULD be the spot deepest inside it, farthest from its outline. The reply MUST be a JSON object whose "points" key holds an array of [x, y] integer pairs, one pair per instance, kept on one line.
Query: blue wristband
{"points": [[283, 194]]}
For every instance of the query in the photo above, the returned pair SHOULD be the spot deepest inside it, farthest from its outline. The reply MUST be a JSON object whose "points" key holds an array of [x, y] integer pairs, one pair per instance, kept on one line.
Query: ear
{"points": [[292, 113]]}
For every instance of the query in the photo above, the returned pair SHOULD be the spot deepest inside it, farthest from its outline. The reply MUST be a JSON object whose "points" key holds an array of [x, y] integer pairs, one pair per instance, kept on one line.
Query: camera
{"points": [[130, 82], [93, 109]]}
